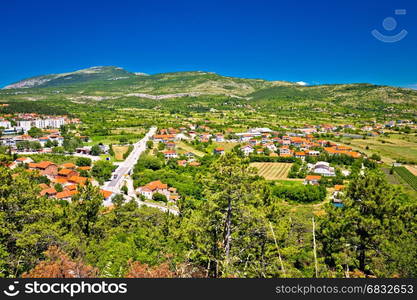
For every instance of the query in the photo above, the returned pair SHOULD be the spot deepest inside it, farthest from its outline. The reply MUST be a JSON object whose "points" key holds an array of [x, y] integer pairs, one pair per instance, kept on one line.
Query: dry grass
{"points": [[412, 169], [119, 151]]}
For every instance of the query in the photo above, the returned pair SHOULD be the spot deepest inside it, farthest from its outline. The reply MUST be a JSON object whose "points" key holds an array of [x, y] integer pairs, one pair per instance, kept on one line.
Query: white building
{"points": [[5, 124], [247, 150], [323, 168], [24, 124]]}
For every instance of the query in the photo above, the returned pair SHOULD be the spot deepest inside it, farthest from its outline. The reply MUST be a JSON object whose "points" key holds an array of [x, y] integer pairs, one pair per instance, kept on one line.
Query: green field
{"points": [[407, 176], [389, 148]]}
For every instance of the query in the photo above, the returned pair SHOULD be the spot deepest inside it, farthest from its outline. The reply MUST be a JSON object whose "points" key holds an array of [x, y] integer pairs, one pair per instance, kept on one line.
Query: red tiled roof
{"points": [[68, 166], [106, 194], [65, 172], [156, 185], [84, 168], [48, 191], [78, 179], [313, 177], [41, 165], [43, 186], [65, 194]]}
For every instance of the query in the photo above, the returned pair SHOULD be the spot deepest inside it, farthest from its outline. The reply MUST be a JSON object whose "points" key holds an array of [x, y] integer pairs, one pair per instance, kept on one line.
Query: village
{"points": [[300, 154]]}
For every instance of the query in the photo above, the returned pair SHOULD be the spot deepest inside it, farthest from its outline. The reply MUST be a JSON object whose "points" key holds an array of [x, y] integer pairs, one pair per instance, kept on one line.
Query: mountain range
{"points": [[110, 82]]}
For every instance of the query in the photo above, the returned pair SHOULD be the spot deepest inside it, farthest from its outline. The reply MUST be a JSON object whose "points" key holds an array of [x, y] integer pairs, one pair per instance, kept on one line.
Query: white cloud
{"points": [[303, 83]]}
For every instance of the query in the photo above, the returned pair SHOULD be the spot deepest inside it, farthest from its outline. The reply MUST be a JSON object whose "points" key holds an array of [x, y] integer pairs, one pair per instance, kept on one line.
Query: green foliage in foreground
{"points": [[235, 227]]}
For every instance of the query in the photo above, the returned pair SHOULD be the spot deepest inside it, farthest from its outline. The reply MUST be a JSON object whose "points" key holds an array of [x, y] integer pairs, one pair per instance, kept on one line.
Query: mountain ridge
{"points": [[110, 82]]}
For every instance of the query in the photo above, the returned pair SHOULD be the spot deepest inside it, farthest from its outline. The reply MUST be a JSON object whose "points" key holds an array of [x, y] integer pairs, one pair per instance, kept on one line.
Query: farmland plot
{"points": [[272, 171]]}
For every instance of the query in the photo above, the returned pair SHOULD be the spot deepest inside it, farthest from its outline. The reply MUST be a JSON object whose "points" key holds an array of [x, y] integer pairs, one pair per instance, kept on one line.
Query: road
{"points": [[126, 167], [122, 176]]}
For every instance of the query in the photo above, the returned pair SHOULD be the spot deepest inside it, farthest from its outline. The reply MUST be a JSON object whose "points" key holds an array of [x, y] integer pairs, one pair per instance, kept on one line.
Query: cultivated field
{"points": [[183, 147], [272, 171], [390, 149], [119, 151]]}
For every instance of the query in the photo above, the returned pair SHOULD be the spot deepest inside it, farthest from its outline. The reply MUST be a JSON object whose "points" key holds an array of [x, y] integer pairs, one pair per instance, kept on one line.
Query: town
{"points": [[297, 155]]}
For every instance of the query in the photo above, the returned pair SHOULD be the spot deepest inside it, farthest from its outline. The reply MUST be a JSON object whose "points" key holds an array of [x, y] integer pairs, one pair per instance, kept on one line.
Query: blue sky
{"points": [[311, 41]]}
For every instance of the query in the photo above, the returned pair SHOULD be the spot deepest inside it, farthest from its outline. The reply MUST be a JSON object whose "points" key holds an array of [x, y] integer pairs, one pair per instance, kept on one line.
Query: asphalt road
{"points": [[125, 167]]}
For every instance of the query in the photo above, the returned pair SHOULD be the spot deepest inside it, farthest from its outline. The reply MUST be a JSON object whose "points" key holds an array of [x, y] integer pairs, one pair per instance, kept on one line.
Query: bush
{"points": [[302, 193], [83, 162], [159, 197]]}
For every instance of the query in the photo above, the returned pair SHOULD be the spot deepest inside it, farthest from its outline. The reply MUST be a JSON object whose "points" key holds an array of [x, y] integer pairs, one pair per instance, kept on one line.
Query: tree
{"points": [[376, 157], [58, 187], [356, 235], [124, 189], [35, 145], [139, 270], [148, 162], [58, 149], [59, 265], [123, 140], [103, 170], [28, 221], [35, 132], [149, 144], [84, 209], [229, 231], [83, 161], [95, 150], [159, 197]]}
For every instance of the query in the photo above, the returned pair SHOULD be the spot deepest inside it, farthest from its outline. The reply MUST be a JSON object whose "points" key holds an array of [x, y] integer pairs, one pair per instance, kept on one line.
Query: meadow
{"points": [[389, 148]]}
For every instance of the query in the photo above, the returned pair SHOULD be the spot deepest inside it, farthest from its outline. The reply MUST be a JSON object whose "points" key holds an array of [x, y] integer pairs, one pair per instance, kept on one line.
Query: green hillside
{"points": [[201, 91]]}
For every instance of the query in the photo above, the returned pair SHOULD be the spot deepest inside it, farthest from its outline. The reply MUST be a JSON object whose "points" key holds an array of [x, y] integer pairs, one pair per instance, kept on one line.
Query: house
{"points": [[312, 179], [271, 147], [313, 153], [194, 164], [182, 163], [68, 166], [83, 150], [189, 155], [170, 145], [219, 150], [164, 138], [170, 154], [67, 173], [23, 160], [107, 195], [219, 138], [285, 151], [46, 168], [323, 168], [65, 195], [78, 180], [153, 187], [84, 168], [247, 150], [49, 192], [337, 193], [300, 155]]}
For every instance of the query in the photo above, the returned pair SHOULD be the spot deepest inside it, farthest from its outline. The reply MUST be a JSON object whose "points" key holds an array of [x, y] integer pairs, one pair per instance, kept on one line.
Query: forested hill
{"points": [[114, 84], [117, 79]]}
